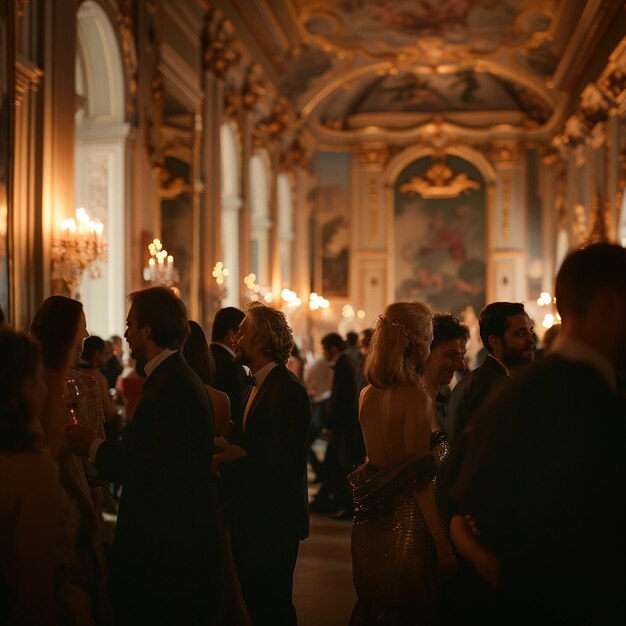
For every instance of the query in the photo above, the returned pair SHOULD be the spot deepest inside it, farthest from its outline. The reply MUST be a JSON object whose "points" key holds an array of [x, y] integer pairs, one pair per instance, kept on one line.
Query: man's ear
{"points": [[494, 343]]}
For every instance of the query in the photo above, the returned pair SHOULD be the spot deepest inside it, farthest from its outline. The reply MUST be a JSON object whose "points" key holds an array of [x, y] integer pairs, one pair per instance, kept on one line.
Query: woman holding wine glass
{"points": [[60, 327]]}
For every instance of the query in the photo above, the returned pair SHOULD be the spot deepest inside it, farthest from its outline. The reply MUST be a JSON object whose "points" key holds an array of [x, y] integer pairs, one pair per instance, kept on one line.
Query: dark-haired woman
{"points": [[30, 492], [60, 327], [197, 353]]}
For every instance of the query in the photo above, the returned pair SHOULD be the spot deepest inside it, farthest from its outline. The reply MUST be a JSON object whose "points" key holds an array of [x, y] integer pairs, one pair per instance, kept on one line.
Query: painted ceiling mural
{"points": [[380, 27], [357, 70], [465, 90]]}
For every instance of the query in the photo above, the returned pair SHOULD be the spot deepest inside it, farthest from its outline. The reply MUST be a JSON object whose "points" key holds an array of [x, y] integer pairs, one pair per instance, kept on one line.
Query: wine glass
{"points": [[71, 398]]}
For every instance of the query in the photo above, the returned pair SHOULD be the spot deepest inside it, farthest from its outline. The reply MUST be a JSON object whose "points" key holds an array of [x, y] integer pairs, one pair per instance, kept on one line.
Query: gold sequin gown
{"points": [[394, 561]]}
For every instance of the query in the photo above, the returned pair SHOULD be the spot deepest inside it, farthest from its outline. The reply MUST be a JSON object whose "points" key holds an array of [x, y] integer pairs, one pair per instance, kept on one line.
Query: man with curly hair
{"points": [[268, 486]]}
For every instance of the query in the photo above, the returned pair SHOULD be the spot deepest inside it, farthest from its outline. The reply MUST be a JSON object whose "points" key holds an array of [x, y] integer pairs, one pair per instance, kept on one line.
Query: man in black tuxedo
{"points": [[230, 376], [507, 334], [545, 473], [269, 485], [165, 558]]}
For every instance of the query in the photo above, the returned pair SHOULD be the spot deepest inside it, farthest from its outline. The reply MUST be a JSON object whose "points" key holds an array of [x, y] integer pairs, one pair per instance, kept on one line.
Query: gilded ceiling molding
{"points": [[271, 128], [593, 109], [219, 43], [613, 80], [152, 124], [127, 32], [297, 154]]}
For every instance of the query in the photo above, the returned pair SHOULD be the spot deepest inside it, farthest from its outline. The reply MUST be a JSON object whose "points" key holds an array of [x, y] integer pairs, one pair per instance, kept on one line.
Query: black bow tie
{"points": [[251, 380]]}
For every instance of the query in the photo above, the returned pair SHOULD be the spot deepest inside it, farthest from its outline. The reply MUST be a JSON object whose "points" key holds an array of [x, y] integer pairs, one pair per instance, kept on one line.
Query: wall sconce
{"points": [[80, 246], [161, 269]]}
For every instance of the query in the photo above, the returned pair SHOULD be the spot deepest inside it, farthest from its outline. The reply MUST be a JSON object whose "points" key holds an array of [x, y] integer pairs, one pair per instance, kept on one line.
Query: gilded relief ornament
{"points": [[219, 51], [598, 233], [440, 182], [127, 31], [276, 123]]}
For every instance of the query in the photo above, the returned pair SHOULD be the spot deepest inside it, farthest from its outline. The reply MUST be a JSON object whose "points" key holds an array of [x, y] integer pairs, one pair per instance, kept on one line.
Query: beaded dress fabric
{"points": [[394, 561]]}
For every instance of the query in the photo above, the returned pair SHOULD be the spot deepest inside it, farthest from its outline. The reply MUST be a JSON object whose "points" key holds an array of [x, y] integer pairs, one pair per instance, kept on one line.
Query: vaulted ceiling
{"points": [[359, 70]]}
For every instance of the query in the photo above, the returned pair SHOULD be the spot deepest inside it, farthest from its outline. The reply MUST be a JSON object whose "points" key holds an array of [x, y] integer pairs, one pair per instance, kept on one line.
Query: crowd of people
{"points": [[488, 496]]}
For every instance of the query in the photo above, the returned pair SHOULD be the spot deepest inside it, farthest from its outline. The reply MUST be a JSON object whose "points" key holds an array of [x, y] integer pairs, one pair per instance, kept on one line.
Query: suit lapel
{"points": [[268, 383]]}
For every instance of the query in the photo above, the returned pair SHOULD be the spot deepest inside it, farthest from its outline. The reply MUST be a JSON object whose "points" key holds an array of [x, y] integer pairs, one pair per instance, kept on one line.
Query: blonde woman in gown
{"points": [[400, 548]]}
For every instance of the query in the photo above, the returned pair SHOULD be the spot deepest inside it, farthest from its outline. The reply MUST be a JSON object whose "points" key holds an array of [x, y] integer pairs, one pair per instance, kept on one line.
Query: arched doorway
{"points": [[101, 134]]}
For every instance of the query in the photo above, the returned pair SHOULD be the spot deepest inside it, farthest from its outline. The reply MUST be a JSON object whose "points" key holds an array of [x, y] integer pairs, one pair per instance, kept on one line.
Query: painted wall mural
{"points": [[440, 236], [332, 216]]}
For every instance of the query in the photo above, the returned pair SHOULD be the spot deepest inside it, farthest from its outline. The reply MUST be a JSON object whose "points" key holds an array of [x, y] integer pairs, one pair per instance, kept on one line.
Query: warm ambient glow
{"points": [[80, 246]]}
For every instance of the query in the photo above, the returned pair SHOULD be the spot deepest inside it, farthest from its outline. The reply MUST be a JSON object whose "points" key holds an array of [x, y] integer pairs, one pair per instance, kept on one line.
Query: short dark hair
{"points": [[493, 320], [92, 344], [447, 326], [587, 271], [197, 354], [226, 319], [165, 313], [20, 360], [352, 338], [55, 325], [366, 337], [333, 340]]}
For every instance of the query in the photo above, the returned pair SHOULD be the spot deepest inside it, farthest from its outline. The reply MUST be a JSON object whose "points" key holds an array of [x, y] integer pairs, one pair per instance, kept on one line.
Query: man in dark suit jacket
{"points": [[165, 558], [269, 485], [346, 449], [506, 332], [545, 474], [230, 376]]}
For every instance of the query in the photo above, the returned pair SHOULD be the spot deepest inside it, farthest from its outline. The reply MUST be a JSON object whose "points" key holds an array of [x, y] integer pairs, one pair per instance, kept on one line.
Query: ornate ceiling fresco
{"points": [[370, 69]]}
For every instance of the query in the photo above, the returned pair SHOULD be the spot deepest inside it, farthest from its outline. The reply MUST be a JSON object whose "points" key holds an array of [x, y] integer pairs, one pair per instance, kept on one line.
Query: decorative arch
{"points": [[231, 204], [100, 163]]}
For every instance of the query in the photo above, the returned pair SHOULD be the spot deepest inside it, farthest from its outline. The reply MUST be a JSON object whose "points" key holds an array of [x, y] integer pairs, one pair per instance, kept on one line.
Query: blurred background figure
{"points": [[197, 354], [318, 379], [91, 361], [447, 356], [230, 377], [30, 491], [295, 363], [352, 346], [114, 362]]}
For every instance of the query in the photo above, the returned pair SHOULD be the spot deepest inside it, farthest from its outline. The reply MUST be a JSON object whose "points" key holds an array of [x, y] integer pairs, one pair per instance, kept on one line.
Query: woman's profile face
{"points": [[81, 335]]}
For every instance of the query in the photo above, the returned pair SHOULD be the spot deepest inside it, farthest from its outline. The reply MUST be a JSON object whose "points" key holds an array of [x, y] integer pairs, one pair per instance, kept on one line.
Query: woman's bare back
{"points": [[396, 422]]}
